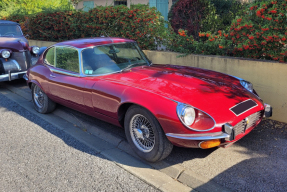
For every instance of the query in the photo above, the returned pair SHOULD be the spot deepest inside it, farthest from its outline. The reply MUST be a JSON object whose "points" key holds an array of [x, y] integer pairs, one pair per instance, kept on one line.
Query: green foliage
{"points": [[27, 7], [140, 23], [227, 10], [204, 15], [259, 32], [193, 16]]}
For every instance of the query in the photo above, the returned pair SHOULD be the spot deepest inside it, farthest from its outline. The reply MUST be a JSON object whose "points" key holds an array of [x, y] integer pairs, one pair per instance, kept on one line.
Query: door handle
{"points": [[53, 76]]}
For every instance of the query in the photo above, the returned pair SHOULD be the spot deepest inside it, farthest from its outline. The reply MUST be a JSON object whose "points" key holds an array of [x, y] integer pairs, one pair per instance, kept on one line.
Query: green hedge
{"points": [[140, 23]]}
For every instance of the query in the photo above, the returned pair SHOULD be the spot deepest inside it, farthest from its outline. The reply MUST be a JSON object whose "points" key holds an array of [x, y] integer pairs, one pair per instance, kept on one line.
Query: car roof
{"points": [[93, 41], [5, 22]]}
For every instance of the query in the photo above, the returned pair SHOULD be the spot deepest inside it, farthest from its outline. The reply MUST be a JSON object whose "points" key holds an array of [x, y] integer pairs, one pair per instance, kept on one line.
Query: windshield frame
{"points": [[13, 35], [96, 75]]}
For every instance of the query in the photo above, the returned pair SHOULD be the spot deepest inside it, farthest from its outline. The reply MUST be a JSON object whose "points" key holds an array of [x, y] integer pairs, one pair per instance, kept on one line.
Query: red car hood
{"points": [[204, 89]]}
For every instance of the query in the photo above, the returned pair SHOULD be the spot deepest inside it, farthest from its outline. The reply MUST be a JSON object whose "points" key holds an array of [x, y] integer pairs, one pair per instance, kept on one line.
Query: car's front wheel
{"points": [[41, 101], [145, 135]]}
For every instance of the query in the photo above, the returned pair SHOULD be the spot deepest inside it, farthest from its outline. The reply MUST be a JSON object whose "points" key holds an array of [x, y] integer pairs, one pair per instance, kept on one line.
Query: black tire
{"points": [[46, 105], [161, 148]]}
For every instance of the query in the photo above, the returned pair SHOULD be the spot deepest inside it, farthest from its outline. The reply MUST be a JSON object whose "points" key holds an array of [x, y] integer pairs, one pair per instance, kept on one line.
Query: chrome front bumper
{"points": [[200, 137], [12, 76], [228, 133]]}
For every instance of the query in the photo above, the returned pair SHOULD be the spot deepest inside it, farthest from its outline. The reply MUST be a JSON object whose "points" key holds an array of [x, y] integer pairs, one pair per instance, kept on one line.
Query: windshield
{"points": [[107, 59], [10, 30]]}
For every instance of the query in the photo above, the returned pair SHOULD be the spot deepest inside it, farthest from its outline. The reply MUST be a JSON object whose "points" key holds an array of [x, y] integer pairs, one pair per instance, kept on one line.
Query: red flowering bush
{"points": [[140, 23], [261, 33]]}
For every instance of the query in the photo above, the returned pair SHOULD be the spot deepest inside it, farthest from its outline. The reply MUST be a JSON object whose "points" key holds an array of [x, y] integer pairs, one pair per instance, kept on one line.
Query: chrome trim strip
{"points": [[80, 58], [245, 110], [178, 111], [64, 72], [204, 136]]}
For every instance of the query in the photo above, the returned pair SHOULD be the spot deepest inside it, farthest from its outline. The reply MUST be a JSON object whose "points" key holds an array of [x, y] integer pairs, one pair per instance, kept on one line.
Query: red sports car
{"points": [[158, 105]]}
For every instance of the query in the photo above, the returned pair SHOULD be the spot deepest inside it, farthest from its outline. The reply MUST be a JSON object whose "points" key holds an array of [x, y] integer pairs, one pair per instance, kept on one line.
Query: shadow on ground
{"points": [[264, 167]]}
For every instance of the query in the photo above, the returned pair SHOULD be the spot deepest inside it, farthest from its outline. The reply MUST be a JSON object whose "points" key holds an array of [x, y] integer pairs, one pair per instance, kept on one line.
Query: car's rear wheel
{"points": [[41, 101], [145, 135]]}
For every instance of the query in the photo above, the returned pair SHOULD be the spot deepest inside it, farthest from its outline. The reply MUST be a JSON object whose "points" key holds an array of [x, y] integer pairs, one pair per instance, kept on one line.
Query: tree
{"points": [[26, 7]]}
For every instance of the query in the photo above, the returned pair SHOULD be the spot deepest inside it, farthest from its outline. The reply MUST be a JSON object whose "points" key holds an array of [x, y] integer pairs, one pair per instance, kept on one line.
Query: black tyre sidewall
{"points": [[48, 104], [157, 152]]}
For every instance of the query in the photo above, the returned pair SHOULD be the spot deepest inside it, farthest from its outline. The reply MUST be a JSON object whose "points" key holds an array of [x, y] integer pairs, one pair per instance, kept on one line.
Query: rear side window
{"points": [[50, 56], [67, 58]]}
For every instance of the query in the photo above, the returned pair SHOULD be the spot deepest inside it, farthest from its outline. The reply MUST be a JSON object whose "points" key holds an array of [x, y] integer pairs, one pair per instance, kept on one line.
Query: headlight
{"points": [[186, 114], [194, 118], [5, 54], [35, 50], [247, 85]]}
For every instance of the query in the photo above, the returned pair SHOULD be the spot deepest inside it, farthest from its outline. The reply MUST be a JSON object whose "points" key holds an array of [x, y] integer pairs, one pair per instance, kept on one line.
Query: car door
{"points": [[66, 85]]}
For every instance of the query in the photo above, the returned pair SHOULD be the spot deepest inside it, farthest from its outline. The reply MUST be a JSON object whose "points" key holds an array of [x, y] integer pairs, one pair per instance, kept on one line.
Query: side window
{"points": [[50, 56], [67, 58]]}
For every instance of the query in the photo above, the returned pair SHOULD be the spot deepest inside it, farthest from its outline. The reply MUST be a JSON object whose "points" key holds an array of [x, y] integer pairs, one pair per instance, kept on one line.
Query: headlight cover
{"points": [[194, 118], [35, 50], [247, 85], [186, 114], [5, 54]]}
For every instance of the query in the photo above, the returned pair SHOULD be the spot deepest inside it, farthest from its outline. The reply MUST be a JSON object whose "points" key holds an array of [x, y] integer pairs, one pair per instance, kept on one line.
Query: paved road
{"points": [[36, 156], [255, 163]]}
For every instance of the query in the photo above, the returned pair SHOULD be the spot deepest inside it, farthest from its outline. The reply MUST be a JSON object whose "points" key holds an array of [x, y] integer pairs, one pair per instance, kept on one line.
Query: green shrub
{"points": [[226, 11], [193, 16], [140, 23], [261, 33]]}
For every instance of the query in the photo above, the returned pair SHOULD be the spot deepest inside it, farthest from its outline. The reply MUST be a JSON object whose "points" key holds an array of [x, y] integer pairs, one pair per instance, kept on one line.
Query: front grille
{"points": [[23, 59], [246, 123]]}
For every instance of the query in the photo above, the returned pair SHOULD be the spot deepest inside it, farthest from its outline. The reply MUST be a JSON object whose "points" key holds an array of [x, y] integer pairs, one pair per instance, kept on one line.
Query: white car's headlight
{"points": [[247, 85], [5, 54], [186, 114], [35, 50]]}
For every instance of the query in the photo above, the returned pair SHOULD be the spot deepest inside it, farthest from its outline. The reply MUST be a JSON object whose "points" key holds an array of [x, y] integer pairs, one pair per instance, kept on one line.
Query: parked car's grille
{"points": [[23, 58], [242, 126]]}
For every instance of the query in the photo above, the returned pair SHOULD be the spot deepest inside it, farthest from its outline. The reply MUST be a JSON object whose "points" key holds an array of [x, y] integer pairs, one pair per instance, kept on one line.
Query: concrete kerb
{"points": [[79, 130]]}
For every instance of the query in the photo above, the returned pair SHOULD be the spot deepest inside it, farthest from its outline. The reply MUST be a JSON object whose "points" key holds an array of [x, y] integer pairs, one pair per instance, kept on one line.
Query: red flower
{"points": [[220, 46], [283, 39], [251, 37]]}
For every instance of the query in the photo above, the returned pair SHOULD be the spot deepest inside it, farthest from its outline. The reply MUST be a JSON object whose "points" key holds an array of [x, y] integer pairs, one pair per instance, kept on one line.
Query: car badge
{"points": [[247, 120]]}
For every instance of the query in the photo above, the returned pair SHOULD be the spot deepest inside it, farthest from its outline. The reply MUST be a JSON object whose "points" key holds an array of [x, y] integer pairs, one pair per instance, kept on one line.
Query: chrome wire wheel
{"points": [[38, 97], [142, 133]]}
